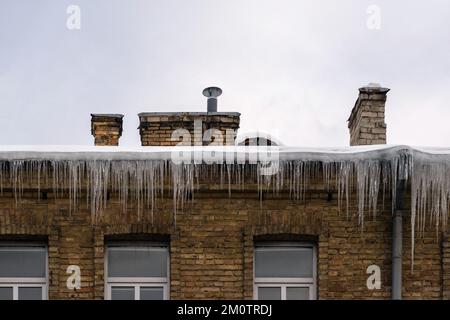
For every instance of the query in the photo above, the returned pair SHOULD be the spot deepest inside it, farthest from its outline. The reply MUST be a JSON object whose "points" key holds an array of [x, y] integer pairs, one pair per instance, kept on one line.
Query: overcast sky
{"points": [[290, 67]]}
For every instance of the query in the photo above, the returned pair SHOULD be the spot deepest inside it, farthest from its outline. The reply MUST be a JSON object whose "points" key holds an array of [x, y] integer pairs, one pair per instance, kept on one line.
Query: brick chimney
{"points": [[366, 122], [191, 128], [158, 128], [106, 129]]}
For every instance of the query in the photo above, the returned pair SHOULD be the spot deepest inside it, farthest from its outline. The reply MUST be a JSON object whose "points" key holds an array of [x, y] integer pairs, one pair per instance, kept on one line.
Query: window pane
{"points": [[152, 293], [22, 262], [284, 262], [30, 293], [6, 293], [122, 293], [297, 293], [137, 262], [269, 293]]}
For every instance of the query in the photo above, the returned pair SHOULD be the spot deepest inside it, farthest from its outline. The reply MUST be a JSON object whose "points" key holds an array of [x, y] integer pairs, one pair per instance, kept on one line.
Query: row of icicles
{"points": [[140, 182]]}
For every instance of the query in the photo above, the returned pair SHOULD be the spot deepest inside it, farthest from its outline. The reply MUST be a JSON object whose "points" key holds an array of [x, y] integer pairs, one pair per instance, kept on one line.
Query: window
{"points": [[137, 272], [23, 272], [285, 271]]}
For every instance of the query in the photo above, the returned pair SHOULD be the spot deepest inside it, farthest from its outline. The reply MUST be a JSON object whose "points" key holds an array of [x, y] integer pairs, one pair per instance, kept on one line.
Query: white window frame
{"points": [[137, 282], [285, 283], [17, 283]]}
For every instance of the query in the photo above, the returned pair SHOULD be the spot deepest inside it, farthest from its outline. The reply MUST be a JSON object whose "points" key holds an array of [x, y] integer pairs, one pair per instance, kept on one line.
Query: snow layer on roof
{"points": [[68, 152]]}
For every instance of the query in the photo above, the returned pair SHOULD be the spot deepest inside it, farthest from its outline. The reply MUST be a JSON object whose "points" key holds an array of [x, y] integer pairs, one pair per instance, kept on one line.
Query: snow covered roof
{"points": [[69, 152]]}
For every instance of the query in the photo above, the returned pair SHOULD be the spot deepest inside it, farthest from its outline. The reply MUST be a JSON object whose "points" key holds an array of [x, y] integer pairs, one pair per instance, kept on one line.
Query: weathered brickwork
{"points": [[366, 122], [211, 244], [157, 129], [106, 129], [446, 267]]}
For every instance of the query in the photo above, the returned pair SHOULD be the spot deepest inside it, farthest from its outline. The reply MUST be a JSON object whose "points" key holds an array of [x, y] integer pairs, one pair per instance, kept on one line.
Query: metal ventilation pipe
{"points": [[212, 93]]}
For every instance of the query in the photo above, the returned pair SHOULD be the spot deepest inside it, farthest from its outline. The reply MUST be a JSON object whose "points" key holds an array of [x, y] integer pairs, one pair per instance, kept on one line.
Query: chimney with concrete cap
{"points": [[106, 129], [367, 120]]}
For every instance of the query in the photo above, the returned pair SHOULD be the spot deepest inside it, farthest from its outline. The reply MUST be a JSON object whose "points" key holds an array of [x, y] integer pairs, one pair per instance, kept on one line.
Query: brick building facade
{"points": [[221, 244]]}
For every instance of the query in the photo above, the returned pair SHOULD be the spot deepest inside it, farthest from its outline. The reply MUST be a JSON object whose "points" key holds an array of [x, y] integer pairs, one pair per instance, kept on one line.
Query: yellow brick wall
{"points": [[211, 245]]}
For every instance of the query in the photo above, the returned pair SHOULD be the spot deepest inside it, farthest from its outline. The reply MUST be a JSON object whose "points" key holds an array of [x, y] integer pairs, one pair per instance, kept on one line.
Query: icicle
{"points": [[430, 183]]}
